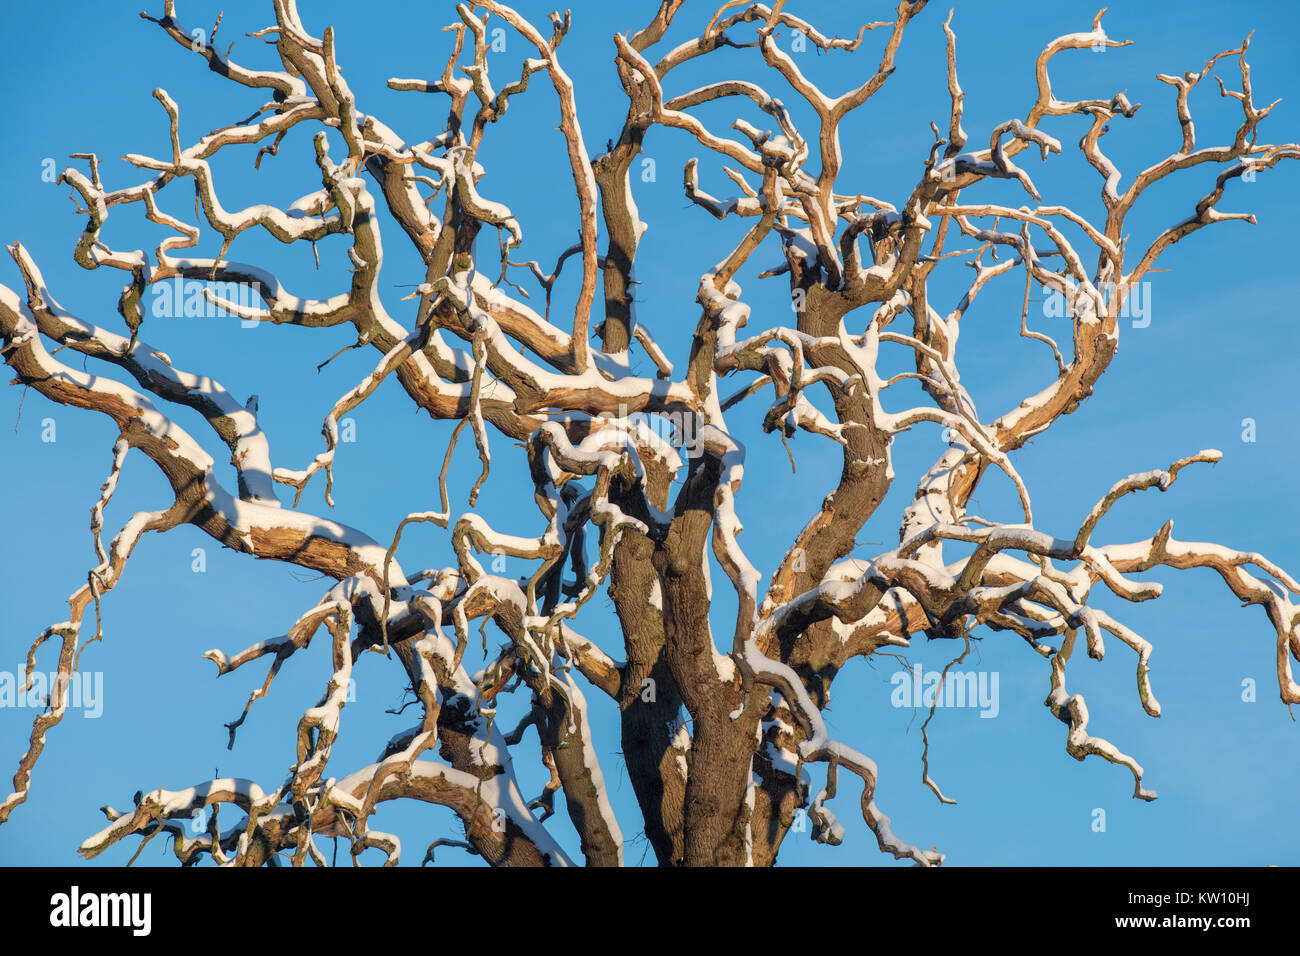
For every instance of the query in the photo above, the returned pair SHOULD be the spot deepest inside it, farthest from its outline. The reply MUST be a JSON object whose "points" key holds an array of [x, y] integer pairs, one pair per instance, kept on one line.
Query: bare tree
{"points": [[731, 745]]}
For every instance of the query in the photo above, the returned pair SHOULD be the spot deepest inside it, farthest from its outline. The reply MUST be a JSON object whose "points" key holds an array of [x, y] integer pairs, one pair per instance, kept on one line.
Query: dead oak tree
{"points": [[734, 742]]}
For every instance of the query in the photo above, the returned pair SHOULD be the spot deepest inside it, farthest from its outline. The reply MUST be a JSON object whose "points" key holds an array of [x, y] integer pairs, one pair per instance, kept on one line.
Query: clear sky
{"points": [[1219, 348]]}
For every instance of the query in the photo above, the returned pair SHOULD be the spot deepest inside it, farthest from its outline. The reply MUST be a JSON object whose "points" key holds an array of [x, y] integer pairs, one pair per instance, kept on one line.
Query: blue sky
{"points": [[1220, 348]]}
